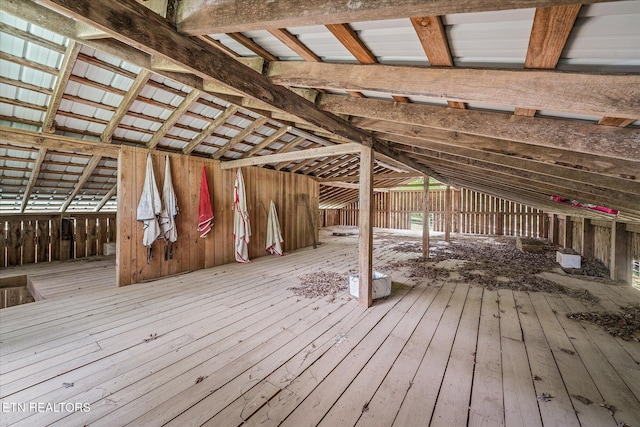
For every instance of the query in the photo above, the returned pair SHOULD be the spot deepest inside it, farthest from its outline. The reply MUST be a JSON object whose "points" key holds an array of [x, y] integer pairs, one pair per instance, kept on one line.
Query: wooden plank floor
{"points": [[234, 346], [63, 279]]}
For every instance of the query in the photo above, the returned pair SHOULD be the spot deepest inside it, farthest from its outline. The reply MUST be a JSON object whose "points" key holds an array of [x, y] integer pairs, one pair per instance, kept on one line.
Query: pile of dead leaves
{"points": [[625, 324], [419, 268], [526, 283], [407, 247], [320, 284]]}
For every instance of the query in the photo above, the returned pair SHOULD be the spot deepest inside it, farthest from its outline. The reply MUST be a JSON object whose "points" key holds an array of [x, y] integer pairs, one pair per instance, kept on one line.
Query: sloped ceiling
{"points": [[525, 103]]}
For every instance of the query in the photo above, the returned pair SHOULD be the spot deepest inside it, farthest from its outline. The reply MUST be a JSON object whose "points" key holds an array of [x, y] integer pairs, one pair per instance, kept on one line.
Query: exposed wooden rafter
{"points": [[433, 38], [174, 117], [86, 174], [61, 83], [239, 137], [267, 141], [35, 171], [24, 138], [597, 164], [133, 92], [293, 43], [549, 34], [567, 135], [206, 133], [106, 198], [354, 44], [252, 46], [333, 150]]}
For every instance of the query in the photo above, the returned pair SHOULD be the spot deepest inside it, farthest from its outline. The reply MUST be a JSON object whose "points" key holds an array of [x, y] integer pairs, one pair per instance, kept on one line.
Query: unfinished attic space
{"points": [[320, 213]]}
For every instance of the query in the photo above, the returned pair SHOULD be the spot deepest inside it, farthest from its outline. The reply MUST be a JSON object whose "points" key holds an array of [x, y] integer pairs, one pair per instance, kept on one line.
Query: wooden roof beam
{"points": [[239, 137], [354, 44], [213, 16], [192, 97], [533, 181], [137, 26], [571, 177], [73, 49], [88, 171], [35, 171], [614, 167], [38, 140], [133, 92], [206, 133], [568, 135], [293, 43], [333, 150], [597, 94], [549, 33], [433, 38], [106, 198], [267, 141]]}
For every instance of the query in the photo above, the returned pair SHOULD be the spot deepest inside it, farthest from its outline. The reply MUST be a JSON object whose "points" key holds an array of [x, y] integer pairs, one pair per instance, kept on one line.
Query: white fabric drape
{"points": [[169, 206], [241, 226], [149, 207], [274, 235]]}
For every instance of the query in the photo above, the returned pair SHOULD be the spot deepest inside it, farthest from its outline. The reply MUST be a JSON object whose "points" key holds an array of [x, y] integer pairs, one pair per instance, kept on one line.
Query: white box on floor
{"points": [[381, 285], [568, 260], [109, 248]]}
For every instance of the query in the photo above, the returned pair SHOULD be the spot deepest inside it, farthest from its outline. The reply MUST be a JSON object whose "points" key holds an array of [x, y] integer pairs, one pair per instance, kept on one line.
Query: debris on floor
{"points": [[320, 284], [590, 267], [544, 397], [625, 324], [582, 399]]}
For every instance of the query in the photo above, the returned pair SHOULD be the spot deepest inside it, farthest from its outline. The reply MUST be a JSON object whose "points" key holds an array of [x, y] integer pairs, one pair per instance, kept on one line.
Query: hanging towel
{"points": [[274, 235], [241, 226], [169, 212], [149, 208], [205, 213]]}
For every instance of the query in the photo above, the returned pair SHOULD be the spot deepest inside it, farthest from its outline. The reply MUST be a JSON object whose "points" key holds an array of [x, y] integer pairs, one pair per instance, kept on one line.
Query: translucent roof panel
{"points": [[392, 41], [323, 43], [605, 37], [489, 39]]}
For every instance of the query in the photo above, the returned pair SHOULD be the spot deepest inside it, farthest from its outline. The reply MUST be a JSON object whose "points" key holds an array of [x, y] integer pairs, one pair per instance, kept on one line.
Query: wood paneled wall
{"points": [[295, 197], [31, 238], [472, 213]]}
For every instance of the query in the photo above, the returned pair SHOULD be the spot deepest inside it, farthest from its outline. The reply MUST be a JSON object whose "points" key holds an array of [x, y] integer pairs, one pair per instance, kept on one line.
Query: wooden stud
{"points": [[365, 258], [425, 218]]}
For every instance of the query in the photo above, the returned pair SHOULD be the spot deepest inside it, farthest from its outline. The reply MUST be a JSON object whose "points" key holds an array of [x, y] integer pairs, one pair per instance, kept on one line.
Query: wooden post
{"points": [[447, 214], [365, 259], [553, 229], [425, 219], [620, 265], [567, 240], [588, 238]]}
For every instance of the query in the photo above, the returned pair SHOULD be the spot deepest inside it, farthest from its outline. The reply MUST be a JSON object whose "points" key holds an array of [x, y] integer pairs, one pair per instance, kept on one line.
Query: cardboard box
{"points": [[381, 285]]}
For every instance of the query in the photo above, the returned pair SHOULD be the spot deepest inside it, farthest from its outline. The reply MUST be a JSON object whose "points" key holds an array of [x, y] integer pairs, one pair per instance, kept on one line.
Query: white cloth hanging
{"points": [[274, 235], [169, 206], [149, 207], [241, 226]]}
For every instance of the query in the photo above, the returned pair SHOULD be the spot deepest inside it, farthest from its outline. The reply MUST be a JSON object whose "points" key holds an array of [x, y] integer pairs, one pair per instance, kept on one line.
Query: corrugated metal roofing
{"points": [[606, 37]]}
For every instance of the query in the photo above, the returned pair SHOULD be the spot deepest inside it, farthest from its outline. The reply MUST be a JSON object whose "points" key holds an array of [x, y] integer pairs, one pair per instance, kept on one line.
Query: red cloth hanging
{"points": [[205, 212]]}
